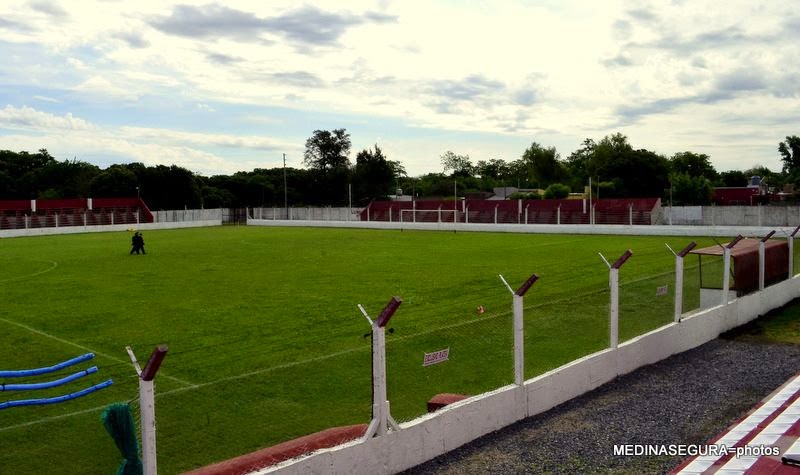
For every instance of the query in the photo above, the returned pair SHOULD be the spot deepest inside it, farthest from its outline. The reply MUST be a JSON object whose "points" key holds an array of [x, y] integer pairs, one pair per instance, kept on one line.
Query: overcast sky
{"points": [[232, 86]]}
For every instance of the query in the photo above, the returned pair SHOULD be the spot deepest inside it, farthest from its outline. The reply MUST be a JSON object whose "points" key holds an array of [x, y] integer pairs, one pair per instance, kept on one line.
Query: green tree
{"points": [[732, 178], [690, 190], [693, 164], [326, 150], [556, 191], [374, 175], [494, 168], [460, 165], [790, 153], [544, 164], [114, 182]]}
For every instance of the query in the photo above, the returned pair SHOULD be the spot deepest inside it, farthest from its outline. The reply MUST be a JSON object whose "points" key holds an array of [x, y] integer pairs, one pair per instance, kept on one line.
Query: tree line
{"points": [[330, 178]]}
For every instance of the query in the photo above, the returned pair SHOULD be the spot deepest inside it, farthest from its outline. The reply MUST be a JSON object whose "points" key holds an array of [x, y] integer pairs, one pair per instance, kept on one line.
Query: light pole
{"points": [[285, 193]]}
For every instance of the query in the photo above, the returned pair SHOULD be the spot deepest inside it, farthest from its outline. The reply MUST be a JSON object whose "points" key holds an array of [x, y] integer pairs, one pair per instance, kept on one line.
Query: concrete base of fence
{"points": [[287, 450], [613, 229], [456, 424]]}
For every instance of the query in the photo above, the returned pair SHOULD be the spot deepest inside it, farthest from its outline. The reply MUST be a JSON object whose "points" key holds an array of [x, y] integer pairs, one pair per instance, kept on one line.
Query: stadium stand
{"points": [[637, 211], [24, 214]]}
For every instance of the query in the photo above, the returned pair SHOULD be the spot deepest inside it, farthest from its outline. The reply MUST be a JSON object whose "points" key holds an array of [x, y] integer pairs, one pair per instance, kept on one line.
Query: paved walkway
{"points": [[763, 442]]}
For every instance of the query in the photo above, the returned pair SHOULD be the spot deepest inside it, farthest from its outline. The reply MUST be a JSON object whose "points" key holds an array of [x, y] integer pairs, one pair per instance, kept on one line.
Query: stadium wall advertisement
{"points": [[442, 431]]}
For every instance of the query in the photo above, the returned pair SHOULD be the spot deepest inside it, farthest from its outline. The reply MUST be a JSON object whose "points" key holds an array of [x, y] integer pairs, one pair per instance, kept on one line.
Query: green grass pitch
{"points": [[266, 342]]}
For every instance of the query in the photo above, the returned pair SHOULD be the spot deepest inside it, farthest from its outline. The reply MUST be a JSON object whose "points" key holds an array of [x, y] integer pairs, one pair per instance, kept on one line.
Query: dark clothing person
{"points": [[138, 243]]}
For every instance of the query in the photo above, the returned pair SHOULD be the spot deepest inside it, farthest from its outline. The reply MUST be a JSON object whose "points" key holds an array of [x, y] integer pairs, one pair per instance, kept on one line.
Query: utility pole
{"points": [[285, 193]]}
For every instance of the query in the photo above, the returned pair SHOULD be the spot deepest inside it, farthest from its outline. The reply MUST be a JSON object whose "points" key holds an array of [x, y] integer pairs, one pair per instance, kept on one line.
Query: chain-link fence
{"points": [[465, 349]]}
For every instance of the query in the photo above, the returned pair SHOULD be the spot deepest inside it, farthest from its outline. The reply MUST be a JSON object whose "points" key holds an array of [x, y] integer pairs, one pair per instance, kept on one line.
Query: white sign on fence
{"points": [[436, 357], [661, 291]]}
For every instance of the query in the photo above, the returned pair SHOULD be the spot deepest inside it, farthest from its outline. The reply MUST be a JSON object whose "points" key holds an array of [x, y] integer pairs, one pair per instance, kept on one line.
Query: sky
{"points": [[221, 87]]}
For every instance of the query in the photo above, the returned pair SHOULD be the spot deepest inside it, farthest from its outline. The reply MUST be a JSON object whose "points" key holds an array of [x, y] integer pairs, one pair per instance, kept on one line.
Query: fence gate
{"points": [[234, 216]]}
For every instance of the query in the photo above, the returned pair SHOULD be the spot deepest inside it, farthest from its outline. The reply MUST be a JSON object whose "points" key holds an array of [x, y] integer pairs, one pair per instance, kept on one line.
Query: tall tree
{"points": [[460, 165], [326, 150], [790, 153], [693, 164], [544, 164], [493, 168], [374, 175]]}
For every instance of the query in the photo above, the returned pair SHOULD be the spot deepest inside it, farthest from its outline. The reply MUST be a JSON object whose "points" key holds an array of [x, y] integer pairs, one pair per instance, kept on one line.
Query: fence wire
{"points": [[470, 351], [561, 329], [645, 303]]}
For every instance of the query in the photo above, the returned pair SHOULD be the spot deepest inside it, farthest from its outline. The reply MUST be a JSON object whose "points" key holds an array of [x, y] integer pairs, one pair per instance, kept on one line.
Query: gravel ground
{"points": [[685, 399]]}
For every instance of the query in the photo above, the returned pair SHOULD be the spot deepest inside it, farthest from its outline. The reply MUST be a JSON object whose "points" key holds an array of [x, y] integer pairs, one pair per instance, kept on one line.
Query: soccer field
{"points": [[266, 342]]}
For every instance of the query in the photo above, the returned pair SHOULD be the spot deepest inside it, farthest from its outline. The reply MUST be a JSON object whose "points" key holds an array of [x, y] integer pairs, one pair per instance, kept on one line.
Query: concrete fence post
{"points": [[791, 251], [519, 326], [762, 251], [679, 278], [147, 405], [381, 417], [726, 269], [613, 283]]}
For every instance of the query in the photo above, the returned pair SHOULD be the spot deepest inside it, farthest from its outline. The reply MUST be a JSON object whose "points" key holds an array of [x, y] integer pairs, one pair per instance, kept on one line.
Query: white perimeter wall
{"points": [[106, 228], [614, 229], [435, 434], [731, 215]]}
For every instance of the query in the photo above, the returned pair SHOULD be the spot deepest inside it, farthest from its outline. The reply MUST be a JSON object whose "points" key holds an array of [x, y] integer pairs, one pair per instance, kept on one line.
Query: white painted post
{"points": [[495, 213], [390, 214], [56, 219], [726, 269], [368, 213], [526, 213], [413, 211], [381, 417], [440, 213], [726, 277], [519, 340], [630, 214], [791, 251], [558, 214], [519, 326], [148, 417], [147, 405], [678, 288], [762, 251], [613, 283], [679, 278]]}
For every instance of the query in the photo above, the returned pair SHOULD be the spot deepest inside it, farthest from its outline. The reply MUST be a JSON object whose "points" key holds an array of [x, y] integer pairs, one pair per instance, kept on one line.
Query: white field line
{"points": [[192, 387], [288, 365], [85, 348], [53, 266]]}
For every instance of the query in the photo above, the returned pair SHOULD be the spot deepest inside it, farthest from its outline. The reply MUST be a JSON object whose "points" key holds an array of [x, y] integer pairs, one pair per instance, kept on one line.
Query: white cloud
{"points": [[554, 72], [28, 118]]}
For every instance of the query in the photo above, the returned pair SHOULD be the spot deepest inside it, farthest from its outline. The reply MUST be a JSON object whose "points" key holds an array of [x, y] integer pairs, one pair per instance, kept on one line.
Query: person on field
{"points": [[138, 243]]}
